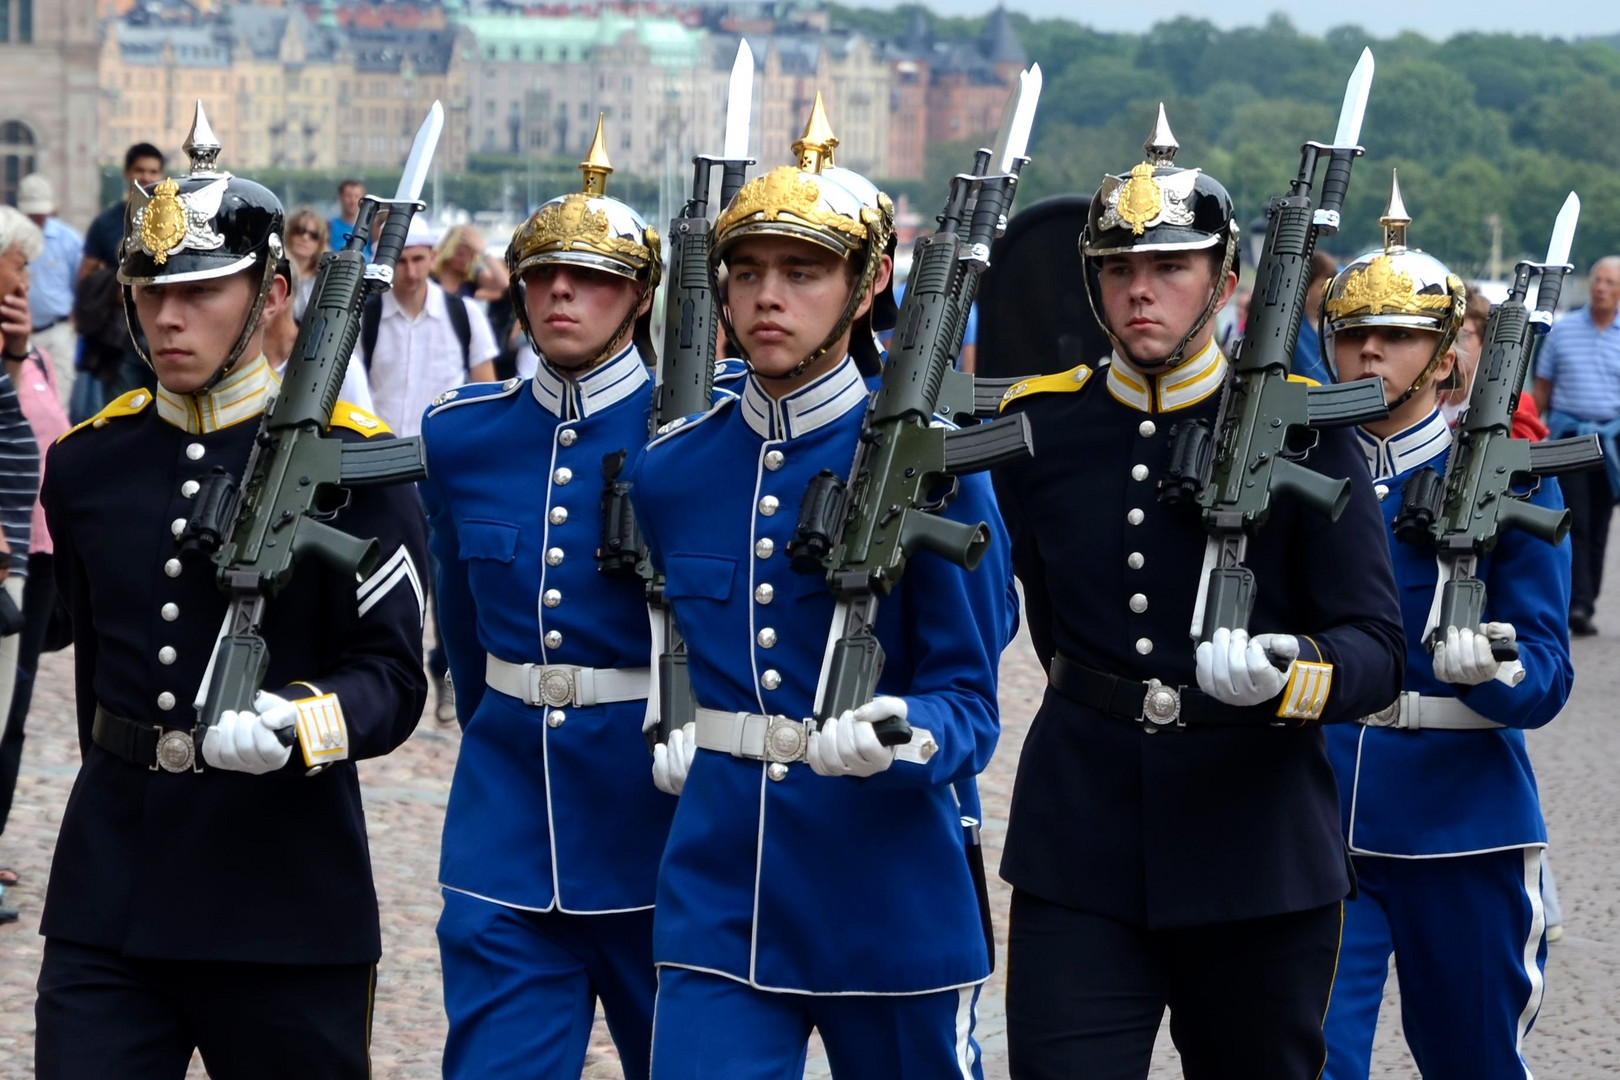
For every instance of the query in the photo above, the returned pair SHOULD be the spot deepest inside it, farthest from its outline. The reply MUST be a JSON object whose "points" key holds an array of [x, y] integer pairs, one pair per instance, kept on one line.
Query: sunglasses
{"points": [[311, 233]]}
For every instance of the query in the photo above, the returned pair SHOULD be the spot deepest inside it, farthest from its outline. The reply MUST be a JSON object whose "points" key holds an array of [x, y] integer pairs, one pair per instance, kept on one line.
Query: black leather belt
{"points": [[150, 745], [1151, 704]]}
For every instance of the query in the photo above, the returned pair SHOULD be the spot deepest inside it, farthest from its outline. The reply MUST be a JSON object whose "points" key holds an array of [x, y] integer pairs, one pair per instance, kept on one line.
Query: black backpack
{"points": [[371, 321]]}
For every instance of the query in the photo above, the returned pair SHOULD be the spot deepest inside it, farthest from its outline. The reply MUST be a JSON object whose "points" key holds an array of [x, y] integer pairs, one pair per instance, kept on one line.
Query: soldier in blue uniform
{"points": [[1174, 839], [216, 897], [812, 879], [554, 828], [1439, 800]]}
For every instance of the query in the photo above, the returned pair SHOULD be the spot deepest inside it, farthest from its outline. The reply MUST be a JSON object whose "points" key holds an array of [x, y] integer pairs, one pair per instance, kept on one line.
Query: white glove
{"points": [[673, 760], [848, 746], [1237, 670], [1464, 657], [246, 741]]}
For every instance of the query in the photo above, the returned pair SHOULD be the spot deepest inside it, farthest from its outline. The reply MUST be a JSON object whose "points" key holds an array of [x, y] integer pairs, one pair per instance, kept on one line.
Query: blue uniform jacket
{"points": [[1417, 794], [542, 817], [816, 884]]}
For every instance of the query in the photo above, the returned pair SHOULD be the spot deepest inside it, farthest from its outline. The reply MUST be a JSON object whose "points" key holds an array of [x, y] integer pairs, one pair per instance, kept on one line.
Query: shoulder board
{"points": [[1064, 382], [1306, 379], [353, 417], [682, 424], [471, 392], [127, 405], [729, 370]]}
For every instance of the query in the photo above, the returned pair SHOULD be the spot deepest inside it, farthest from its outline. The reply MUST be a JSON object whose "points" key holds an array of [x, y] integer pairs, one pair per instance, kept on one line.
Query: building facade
{"points": [[48, 95]]}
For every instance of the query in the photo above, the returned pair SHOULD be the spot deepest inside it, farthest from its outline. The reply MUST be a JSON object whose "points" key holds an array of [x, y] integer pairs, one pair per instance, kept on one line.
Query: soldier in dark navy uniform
{"points": [[1174, 835], [216, 897]]}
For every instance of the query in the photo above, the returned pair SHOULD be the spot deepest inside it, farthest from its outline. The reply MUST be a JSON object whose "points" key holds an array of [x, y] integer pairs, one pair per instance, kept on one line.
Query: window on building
{"points": [[25, 21], [5, 20], [17, 150], [627, 83], [584, 110], [624, 141]]}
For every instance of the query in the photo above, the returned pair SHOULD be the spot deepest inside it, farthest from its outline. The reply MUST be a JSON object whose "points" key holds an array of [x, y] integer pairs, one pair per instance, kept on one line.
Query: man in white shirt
{"points": [[418, 353]]}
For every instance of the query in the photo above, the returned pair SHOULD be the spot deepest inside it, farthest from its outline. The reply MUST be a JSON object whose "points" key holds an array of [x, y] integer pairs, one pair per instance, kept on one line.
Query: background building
{"points": [[48, 92]]}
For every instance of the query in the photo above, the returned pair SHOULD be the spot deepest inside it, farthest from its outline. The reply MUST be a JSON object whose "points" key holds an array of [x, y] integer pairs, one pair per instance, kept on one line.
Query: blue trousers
{"points": [[1467, 935], [520, 989], [713, 1028]]}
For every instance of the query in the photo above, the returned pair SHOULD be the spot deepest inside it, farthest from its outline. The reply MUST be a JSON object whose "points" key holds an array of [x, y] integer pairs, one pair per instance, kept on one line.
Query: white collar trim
{"points": [[604, 385], [805, 409], [1179, 388], [1405, 450], [239, 396]]}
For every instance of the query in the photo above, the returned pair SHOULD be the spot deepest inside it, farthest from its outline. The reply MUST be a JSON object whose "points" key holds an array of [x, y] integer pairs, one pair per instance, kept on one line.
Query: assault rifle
{"points": [[861, 534], [259, 530], [1490, 475], [1265, 421], [685, 386]]}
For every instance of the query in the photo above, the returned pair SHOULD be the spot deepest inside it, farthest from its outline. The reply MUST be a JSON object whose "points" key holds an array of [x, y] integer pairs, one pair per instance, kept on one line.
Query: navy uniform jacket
{"points": [[816, 884], [542, 816], [220, 865], [1199, 825], [1428, 793]]}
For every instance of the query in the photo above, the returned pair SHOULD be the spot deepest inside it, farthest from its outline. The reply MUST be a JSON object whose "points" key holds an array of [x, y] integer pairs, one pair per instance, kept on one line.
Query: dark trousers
{"points": [[39, 600], [1086, 994], [1591, 505], [102, 1015]]}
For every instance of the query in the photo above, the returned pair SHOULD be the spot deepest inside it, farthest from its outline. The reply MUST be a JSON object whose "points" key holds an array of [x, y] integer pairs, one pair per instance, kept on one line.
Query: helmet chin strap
{"points": [[266, 280]]}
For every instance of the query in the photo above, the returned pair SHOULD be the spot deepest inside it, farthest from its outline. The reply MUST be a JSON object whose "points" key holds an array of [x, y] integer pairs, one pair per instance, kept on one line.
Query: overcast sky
{"points": [[1560, 18]]}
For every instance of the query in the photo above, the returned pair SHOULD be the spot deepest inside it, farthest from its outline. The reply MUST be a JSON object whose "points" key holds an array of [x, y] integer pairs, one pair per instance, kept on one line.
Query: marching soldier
{"points": [[812, 879], [215, 897], [1173, 839], [1439, 801], [554, 828]]}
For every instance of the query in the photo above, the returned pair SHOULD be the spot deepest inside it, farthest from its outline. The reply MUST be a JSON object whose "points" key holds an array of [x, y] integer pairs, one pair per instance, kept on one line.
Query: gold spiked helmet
{"points": [[819, 202], [1397, 286]]}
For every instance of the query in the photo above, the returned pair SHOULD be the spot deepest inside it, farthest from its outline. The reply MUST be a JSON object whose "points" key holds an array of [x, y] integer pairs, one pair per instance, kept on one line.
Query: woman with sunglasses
{"points": [[306, 241]]}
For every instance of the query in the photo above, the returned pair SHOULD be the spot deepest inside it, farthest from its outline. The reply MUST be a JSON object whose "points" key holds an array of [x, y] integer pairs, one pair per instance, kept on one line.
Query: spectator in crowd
{"points": [[349, 193], [20, 242], [463, 267], [55, 273], [307, 234], [418, 343], [1577, 389], [107, 351], [1308, 347]]}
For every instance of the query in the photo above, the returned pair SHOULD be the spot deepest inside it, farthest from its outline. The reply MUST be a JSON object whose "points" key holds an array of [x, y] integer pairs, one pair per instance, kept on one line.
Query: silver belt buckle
{"points": [[554, 685], [1161, 705], [785, 740], [1388, 716], [176, 752]]}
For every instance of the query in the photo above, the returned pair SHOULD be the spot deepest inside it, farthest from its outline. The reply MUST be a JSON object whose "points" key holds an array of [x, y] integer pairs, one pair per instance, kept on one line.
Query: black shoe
{"points": [[7, 915], [1580, 624]]}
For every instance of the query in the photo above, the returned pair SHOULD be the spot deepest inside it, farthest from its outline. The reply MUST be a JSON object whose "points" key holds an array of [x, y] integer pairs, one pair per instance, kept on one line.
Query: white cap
{"points": [[34, 195], [421, 234]]}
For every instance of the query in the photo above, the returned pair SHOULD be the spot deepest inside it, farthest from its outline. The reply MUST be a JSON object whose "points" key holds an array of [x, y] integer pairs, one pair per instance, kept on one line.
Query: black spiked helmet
{"points": [[205, 224], [1157, 206]]}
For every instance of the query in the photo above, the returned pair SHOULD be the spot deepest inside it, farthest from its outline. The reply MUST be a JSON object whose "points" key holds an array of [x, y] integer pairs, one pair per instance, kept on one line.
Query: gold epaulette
{"points": [[1064, 382], [1306, 379], [127, 405], [353, 417]]}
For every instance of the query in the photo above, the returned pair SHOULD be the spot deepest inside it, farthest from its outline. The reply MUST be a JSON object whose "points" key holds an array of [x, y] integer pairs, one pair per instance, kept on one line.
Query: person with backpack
{"points": [[416, 342]]}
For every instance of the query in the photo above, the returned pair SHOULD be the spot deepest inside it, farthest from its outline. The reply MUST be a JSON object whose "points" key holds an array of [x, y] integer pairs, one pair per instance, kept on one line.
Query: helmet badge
{"points": [[163, 222], [1141, 200]]}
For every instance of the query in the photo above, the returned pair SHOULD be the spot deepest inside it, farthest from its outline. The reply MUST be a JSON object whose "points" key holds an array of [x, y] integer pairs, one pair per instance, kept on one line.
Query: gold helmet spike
{"points": [[596, 165], [815, 147], [1395, 219], [1161, 147]]}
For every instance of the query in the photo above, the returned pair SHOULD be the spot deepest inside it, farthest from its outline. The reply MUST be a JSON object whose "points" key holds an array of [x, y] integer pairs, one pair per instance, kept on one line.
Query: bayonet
{"points": [[1354, 109], [739, 103]]}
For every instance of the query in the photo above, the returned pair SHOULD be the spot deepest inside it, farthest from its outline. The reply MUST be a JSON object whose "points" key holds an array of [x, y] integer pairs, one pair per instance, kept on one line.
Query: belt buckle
{"points": [[785, 740], [1388, 716], [176, 751], [1161, 706], [554, 685]]}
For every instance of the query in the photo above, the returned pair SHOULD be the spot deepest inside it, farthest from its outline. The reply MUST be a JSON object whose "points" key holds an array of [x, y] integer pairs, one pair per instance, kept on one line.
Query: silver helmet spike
{"points": [[1161, 146], [1395, 219], [201, 146]]}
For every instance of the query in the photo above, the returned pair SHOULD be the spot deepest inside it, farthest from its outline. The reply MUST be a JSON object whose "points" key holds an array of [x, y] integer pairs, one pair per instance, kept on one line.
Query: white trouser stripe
{"points": [[1532, 945], [964, 1030]]}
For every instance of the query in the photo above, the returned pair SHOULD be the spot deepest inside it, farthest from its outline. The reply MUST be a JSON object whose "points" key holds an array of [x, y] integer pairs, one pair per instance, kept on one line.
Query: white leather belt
{"points": [[781, 740], [557, 685], [1416, 712]]}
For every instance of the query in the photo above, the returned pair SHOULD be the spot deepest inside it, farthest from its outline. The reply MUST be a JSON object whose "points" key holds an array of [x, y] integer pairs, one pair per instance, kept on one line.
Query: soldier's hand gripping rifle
{"points": [[258, 531], [1265, 418], [1490, 474], [685, 384], [861, 535]]}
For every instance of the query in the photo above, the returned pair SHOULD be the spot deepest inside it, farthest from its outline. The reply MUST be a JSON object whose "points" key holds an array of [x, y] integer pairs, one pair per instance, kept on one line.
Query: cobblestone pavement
{"points": [[1577, 1037]]}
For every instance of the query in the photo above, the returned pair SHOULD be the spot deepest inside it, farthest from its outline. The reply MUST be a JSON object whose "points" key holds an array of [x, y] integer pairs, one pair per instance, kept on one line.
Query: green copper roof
{"points": [[572, 38]]}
